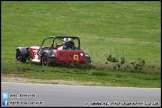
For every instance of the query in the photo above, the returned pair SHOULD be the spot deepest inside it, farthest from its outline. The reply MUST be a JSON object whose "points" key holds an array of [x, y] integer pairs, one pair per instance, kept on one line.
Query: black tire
{"points": [[87, 60], [45, 60], [19, 56]]}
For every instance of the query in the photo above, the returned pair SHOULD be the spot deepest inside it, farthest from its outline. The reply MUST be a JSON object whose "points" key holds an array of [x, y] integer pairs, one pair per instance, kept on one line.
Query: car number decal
{"points": [[75, 57]]}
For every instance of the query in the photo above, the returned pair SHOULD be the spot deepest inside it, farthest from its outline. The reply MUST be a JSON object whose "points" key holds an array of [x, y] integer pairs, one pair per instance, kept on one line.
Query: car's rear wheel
{"points": [[45, 60], [19, 56]]}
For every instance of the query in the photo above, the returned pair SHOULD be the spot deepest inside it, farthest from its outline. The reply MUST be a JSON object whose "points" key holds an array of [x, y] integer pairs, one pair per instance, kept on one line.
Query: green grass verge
{"points": [[83, 74]]}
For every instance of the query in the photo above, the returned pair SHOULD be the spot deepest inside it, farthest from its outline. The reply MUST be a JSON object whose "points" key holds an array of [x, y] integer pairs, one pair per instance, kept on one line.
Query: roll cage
{"points": [[61, 38]]}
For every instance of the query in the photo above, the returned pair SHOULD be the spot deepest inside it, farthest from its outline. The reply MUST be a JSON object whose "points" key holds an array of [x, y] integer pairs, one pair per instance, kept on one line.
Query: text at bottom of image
{"points": [[22, 103], [117, 103]]}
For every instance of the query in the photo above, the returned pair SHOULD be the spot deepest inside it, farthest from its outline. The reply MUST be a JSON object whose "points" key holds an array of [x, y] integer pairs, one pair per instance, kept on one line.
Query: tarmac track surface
{"points": [[56, 95]]}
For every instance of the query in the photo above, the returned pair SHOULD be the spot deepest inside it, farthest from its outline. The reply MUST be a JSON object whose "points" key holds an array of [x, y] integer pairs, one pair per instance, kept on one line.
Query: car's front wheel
{"points": [[45, 59]]}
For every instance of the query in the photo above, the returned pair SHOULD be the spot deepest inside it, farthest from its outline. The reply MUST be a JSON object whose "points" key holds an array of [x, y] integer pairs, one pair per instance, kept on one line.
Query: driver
{"points": [[67, 44]]}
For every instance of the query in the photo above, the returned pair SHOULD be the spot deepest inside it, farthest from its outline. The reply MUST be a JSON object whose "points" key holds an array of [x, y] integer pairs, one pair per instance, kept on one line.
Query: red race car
{"points": [[55, 49]]}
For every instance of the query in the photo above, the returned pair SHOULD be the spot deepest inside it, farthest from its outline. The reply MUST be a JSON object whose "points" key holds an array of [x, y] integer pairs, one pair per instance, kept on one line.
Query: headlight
{"points": [[81, 54]]}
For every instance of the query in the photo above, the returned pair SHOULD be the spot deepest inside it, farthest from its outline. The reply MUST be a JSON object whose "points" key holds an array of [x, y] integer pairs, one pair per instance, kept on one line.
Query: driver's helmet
{"points": [[67, 39]]}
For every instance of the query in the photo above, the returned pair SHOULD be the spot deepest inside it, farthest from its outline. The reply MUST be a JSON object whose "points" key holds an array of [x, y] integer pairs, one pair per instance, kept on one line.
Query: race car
{"points": [[55, 49]]}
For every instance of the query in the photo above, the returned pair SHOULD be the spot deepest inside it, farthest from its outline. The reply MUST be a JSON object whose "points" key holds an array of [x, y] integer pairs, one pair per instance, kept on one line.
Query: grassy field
{"points": [[129, 30]]}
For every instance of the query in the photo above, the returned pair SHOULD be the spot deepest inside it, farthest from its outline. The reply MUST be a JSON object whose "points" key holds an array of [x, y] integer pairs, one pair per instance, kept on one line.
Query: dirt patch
{"points": [[22, 79]]}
